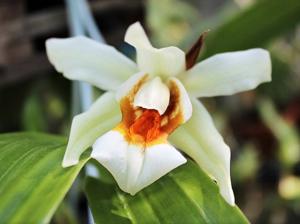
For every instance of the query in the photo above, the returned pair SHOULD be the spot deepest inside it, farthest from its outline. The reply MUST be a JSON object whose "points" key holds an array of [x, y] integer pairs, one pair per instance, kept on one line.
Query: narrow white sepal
{"points": [[136, 36], [133, 167], [86, 127], [81, 58], [201, 141], [164, 62], [228, 73], [153, 94]]}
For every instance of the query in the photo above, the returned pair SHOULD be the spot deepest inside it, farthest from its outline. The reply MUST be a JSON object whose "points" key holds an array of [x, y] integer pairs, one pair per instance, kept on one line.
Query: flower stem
{"points": [[82, 93], [82, 22], [89, 21]]}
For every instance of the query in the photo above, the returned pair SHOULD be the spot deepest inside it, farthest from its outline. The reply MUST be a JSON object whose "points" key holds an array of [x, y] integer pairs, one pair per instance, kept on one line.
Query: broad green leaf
{"points": [[32, 180], [186, 195], [254, 26]]}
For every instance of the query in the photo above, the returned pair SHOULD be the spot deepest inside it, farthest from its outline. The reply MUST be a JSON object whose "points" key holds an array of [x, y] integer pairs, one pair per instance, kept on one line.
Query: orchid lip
{"points": [[134, 166], [137, 151], [148, 124]]}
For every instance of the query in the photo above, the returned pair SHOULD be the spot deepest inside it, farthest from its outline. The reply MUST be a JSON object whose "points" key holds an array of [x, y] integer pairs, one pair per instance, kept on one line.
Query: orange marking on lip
{"points": [[173, 113], [147, 126]]}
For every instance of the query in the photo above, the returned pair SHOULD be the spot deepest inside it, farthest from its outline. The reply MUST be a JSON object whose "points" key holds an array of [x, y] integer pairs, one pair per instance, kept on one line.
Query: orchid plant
{"points": [[150, 110]]}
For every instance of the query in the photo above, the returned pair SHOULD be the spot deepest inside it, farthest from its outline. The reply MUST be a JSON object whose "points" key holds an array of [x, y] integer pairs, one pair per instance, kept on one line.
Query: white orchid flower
{"points": [[155, 96]]}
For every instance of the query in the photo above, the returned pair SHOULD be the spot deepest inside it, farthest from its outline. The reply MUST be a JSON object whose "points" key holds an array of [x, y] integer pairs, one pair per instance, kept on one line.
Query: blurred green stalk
{"points": [[81, 22], [285, 133]]}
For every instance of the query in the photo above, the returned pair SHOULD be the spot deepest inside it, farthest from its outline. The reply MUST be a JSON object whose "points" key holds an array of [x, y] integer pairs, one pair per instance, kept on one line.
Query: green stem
{"points": [[82, 93], [88, 21], [82, 22]]}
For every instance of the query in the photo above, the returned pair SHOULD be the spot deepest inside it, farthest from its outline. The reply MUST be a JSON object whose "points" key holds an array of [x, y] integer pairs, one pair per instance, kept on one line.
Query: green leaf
{"points": [[32, 181], [254, 26], [186, 195]]}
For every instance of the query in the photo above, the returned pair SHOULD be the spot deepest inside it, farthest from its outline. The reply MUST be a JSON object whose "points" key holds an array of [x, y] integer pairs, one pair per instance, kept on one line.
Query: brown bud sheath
{"points": [[192, 55]]}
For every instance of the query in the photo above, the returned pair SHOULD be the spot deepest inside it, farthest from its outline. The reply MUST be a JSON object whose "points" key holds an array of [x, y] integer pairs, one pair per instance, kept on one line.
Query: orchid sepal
{"points": [[199, 139], [228, 73], [86, 127]]}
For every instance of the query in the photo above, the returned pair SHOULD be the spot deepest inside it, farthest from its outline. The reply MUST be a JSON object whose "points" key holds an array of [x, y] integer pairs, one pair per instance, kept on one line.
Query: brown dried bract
{"points": [[192, 55]]}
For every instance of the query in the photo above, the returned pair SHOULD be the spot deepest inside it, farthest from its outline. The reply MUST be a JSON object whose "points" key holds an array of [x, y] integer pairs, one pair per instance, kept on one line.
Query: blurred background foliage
{"points": [[261, 126]]}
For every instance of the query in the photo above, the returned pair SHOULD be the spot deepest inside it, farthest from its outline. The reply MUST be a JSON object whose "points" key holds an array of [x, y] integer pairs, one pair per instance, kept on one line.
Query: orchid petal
{"points": [[133, 166], [200, 140], [86, 127], [169, 61], [80, 58], [154, 94], [228, 73]]}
